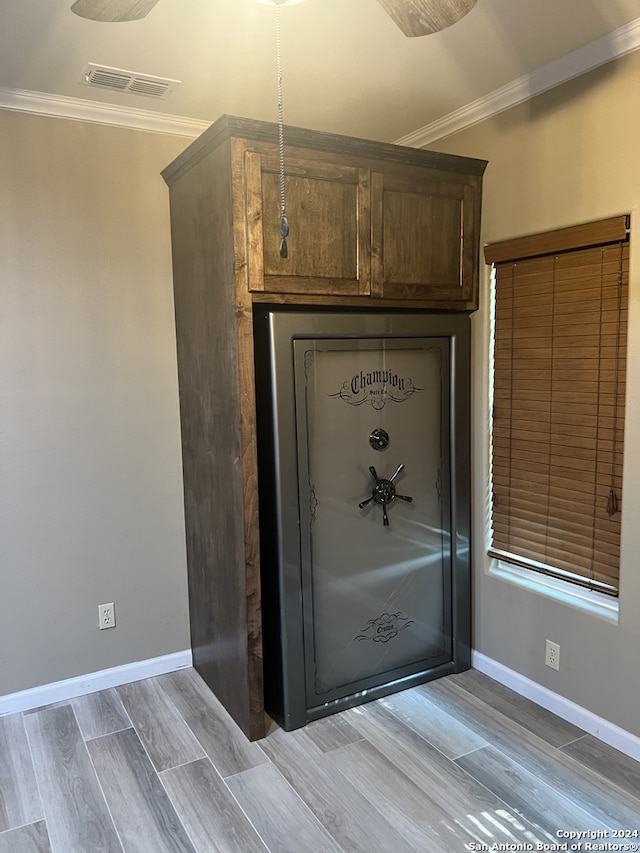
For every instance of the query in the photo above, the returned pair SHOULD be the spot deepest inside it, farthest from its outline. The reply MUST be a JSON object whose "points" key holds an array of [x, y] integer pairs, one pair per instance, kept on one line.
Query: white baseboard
{"points": [[70, 688], [569, 711]]}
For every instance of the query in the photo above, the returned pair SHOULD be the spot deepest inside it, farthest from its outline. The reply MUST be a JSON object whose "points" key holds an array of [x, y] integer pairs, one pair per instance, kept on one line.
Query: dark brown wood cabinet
{"points": [[372, 226], [361, 227]]}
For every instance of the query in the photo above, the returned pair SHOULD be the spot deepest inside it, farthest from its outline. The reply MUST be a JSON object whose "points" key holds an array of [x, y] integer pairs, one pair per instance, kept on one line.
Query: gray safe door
{"points": [[376, 568], [365, 426]]}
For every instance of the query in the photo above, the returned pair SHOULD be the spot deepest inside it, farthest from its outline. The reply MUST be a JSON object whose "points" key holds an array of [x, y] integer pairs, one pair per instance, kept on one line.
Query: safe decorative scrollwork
{"points": [[385, 627]]}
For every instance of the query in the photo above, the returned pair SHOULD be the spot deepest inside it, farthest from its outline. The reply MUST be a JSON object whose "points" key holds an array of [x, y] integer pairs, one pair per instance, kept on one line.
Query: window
{"points": [[559, 361]]}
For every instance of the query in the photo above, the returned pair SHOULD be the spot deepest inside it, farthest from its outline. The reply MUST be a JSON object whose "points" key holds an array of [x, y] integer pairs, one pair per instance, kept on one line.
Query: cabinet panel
{"points": [[424, 242], [328, 212]]}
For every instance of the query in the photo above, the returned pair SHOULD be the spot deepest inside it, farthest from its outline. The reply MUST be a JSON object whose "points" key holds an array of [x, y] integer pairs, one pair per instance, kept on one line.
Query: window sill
{"points": [[594, 603]]}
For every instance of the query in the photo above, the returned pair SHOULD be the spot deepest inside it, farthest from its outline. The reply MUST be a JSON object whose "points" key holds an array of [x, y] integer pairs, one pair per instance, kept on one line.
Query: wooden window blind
{"points": [[560, 339]]}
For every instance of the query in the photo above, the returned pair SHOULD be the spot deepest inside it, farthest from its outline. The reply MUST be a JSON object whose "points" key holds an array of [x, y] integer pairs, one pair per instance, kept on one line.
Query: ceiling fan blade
{"points": [[422, 17], [111, 11]]}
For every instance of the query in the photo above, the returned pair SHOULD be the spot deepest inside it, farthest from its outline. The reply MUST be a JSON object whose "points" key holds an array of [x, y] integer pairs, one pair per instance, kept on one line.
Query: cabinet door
{"points": [[328, 209], [424, 243]]}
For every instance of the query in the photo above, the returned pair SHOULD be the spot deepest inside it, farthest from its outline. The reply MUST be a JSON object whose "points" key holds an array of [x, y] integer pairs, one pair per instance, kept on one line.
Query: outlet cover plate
{"points": [[552, 655], [106, 616]]}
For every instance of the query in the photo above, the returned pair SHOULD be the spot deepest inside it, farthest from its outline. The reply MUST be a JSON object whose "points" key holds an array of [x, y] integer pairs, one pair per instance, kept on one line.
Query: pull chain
{"points": [[284, 224]]}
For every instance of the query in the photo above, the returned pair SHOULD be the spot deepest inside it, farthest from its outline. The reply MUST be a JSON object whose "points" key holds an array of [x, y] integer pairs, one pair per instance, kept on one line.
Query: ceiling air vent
{"points": [[117, 79]]}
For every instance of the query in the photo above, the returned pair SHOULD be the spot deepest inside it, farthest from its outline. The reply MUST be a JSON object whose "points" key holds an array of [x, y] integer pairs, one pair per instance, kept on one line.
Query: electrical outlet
{"points": [[552, 655], [106, 616]]}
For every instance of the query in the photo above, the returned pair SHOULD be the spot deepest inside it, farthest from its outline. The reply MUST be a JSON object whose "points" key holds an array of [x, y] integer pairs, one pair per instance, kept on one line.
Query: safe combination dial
{"points": [[384, 492], [379, 439]]}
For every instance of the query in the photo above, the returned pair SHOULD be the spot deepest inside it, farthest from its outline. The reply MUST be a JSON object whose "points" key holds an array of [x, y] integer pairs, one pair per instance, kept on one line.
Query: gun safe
{"points": [[363, 457]]}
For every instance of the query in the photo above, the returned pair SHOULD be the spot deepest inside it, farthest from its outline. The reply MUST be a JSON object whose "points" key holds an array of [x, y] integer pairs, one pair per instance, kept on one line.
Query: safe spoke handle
{"points": [[384, 492]]}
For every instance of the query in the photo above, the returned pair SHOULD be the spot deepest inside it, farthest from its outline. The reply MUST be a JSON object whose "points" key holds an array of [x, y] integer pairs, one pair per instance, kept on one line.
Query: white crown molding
{"points": [[70, 688], [79, 109], [605, 731], [605, 49]]}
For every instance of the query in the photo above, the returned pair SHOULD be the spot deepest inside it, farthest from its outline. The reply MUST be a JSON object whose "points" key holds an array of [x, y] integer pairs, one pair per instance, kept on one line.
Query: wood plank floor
{"points": [[460, 764]]}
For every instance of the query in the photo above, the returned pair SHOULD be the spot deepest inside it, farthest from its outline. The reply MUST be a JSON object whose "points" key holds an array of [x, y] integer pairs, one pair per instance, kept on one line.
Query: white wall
{"points": [[571, 155], [90, 471]]}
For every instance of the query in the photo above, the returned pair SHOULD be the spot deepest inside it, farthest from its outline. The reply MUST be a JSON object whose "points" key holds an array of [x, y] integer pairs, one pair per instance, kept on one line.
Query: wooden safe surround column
{"points": [[373, 227]]}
